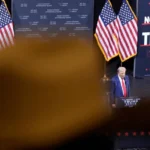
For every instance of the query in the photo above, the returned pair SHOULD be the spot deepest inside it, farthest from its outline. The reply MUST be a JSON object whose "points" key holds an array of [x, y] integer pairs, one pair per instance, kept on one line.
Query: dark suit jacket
{"points": [[116, 89]]}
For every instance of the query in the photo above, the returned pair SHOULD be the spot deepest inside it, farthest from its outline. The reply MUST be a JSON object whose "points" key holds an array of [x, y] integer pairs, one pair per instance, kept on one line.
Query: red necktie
{"points": [[124, 88]]}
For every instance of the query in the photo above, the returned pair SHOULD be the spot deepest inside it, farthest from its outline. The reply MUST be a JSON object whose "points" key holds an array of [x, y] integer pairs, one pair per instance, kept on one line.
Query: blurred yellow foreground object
{"points": [[49, 91]]}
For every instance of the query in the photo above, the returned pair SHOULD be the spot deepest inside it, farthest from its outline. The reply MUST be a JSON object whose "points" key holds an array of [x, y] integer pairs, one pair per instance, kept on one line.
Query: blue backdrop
{"points": [[142, 62], [35, 18]]}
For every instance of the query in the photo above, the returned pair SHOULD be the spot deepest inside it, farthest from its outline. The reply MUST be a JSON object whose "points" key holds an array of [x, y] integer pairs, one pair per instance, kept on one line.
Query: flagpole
{"points": [[121, 63], [6, 6], [105, 78]]}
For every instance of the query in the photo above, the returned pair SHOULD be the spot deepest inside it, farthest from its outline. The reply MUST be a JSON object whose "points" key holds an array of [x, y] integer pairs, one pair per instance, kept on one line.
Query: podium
{"points": [[122, 102]]}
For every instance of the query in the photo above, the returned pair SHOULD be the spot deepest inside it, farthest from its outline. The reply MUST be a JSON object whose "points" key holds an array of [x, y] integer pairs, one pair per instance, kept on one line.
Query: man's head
{"points": [[122, 72]]}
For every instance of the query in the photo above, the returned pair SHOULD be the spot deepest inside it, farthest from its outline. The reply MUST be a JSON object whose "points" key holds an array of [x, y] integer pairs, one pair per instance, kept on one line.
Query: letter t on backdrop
{"points": [[107, 32]]}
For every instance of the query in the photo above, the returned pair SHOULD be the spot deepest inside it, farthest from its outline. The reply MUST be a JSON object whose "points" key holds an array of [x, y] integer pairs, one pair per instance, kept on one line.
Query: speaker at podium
{"points": [[122, 102]]}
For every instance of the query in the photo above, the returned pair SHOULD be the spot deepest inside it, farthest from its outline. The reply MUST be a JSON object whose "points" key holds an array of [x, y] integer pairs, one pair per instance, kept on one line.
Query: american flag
{"points": [[6, 27], [107, 32], [127, 32]]}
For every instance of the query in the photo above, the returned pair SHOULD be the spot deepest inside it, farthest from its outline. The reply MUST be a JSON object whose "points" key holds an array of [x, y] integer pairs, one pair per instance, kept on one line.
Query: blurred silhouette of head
{"points": [[49, 91]]}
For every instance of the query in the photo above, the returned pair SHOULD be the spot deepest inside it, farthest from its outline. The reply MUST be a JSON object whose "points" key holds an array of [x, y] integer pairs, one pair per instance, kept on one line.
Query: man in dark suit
{"points": [[120, 85]]}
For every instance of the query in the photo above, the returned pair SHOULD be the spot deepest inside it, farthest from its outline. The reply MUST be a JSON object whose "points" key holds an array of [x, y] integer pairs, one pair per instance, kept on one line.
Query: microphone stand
{"points": [[105, 78]]}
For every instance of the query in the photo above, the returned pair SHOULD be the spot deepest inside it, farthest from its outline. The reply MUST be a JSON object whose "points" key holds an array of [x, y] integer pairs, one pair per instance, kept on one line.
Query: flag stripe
{"points": [[12, 29], [123, 37], [6, 27], [133, 26], [7, 34], [127, 22], [107, 32], [10, 34], [112, 41], [132, 32], [107, 37], [103, 40], [103, 45], [111, 29], [2, 41], [4, 32], [132, 38], [129, 36], [99, 44]]}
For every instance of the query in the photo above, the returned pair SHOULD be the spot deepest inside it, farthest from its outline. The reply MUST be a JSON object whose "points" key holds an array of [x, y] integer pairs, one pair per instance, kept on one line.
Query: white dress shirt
{"points": [[121, 83]]}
